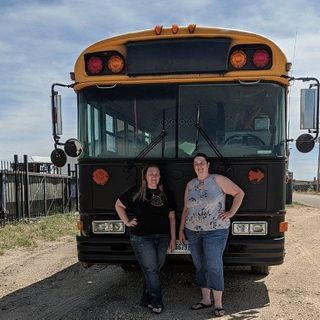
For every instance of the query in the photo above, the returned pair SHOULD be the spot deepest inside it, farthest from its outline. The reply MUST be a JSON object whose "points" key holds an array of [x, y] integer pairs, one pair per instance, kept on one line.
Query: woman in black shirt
{"points": [[152, 230]]}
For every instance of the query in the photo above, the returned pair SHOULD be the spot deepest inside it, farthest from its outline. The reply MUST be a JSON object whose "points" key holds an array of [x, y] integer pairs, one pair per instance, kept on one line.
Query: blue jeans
{"points": [[151, 251], [207, 255]]}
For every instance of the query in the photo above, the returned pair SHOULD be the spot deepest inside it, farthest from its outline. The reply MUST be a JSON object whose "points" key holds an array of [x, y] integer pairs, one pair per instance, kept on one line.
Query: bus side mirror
{"points": [[58, 157], [308, 108], [56, 115], [73, 148], [305, 143]]}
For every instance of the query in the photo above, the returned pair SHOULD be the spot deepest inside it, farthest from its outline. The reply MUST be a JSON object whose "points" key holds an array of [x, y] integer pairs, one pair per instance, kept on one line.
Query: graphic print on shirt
{"points": [[156, 200]]}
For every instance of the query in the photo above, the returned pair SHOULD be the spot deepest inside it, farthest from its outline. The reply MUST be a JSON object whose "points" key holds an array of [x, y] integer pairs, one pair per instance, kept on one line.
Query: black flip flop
{"points": [[200, 305], [219, 312]]}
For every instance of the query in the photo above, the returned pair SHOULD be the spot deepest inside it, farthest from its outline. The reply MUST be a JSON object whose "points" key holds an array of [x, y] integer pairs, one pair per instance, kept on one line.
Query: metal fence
{"points": [[27, 195]]}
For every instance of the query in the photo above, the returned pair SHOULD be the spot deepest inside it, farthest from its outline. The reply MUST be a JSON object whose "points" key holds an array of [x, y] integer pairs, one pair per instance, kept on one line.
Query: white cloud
{"points": [[40, 41]]}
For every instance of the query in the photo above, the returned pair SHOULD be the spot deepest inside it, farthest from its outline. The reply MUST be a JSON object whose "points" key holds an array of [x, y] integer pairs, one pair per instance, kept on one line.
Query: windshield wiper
{"points": [[150, 146], [209, 141]]}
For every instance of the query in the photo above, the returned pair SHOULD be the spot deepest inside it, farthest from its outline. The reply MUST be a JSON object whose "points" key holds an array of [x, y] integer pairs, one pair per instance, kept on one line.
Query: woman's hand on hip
{"points": [[226, 215], [131, 223]]}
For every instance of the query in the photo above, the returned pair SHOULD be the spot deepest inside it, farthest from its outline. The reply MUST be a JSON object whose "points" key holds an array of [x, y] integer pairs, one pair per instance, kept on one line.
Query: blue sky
{"points": [[40, 41]]}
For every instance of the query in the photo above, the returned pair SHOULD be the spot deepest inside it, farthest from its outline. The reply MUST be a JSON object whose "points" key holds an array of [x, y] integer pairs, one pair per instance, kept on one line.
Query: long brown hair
{"points": [[141, 195]]}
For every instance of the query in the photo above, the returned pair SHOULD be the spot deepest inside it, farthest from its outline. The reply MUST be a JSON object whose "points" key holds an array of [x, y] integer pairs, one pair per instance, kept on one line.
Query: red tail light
{"points": [[95, 65], [261, 58]]}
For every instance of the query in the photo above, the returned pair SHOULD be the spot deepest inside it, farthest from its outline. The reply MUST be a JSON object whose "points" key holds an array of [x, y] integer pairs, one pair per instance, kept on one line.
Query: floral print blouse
{"points": [[205, 202]]}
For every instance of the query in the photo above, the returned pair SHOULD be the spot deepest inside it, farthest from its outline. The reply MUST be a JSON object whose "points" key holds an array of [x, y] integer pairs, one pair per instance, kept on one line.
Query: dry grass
{"points": [[44, 229]]}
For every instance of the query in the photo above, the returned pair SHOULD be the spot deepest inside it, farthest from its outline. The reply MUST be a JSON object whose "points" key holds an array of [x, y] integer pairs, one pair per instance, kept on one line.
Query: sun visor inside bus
{"points": [[177, 56]]}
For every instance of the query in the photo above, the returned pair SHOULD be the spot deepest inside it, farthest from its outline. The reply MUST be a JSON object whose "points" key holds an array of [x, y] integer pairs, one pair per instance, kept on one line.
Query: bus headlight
{"points": [[108, 226], [250, 228]]}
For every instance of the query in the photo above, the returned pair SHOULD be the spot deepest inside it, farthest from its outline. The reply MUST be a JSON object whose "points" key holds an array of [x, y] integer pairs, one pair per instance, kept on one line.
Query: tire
{"points": [[264, 269]]}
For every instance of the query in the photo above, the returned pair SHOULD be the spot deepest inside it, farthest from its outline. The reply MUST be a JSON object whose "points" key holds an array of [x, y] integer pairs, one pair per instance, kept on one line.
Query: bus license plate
{"points": [[181, 248]]}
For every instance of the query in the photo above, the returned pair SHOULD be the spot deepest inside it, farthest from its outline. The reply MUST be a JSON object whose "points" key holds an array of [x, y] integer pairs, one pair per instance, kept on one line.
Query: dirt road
{"points": [[48, 283]]}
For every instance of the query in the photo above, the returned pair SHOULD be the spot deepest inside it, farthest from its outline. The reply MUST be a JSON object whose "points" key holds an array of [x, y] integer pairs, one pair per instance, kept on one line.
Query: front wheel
{"points": [[264, 269]]}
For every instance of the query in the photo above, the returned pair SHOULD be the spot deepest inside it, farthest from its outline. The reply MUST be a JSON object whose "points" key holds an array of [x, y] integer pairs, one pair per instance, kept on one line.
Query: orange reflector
{"points": [[100, 176], [191, 28], [283, 226], [157, 30], [238, 59], [115, 64], [175, 28], [80, 225]]}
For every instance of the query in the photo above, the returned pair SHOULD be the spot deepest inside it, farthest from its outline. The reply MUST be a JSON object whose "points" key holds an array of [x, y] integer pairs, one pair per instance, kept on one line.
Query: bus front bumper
{"points": [[239, 251], [257, 251]]}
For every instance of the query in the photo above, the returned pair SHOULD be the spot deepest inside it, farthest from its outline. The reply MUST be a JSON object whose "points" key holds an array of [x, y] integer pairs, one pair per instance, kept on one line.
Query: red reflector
{"points": [[100, 176], [95, 65], [261, 58]]}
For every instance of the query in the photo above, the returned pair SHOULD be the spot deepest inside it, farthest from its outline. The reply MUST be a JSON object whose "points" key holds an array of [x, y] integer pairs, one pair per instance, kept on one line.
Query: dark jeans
{"points": [[151, 251]]}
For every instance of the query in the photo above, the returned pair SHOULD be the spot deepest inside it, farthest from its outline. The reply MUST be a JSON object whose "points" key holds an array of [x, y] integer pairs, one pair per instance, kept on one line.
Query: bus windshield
{"points": [[241, 120]]}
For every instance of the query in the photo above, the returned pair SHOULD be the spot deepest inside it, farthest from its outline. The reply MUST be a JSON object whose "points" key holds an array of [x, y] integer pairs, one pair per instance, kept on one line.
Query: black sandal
{"points": [[200, 305], [219, 312]]}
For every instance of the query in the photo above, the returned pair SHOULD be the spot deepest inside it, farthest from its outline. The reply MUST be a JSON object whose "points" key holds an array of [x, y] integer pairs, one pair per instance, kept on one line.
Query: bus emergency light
{"points": [[238, 59], [95, 65], [115, 64], [261, 58]]}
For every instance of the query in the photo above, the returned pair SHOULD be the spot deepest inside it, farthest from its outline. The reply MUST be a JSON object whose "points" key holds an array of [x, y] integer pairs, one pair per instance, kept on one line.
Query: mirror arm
{"points": [[317, 84]]}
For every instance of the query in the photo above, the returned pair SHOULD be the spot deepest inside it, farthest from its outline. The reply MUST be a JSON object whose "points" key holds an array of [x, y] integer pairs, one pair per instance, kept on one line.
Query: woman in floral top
{"points": [[205, 223]]}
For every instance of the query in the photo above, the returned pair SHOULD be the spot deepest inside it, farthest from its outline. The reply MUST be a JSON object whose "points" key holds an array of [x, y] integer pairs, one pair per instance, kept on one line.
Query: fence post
{"points": [[69, 188], [2, 197], [26, 185], [77, 190], [16, 185], [63, 193], [45, 195]]}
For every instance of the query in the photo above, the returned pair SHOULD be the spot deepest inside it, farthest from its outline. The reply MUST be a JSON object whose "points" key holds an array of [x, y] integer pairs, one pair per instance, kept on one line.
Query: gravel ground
{"points": [[48, 283]]}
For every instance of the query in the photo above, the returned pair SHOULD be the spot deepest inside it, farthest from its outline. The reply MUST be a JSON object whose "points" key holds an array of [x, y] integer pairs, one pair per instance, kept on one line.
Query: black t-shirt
{"points": [[152, 215]]}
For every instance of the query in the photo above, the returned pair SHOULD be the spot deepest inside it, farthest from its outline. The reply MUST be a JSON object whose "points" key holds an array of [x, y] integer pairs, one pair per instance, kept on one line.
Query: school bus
{"points": [[164, 94]]}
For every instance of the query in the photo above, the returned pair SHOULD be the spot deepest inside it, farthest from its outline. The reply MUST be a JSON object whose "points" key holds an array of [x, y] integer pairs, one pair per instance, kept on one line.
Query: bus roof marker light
{"points": [[115, 64], [192, 28], [238, 59], [158, 30], [261, 58], [175, 28], [95, 65]]}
